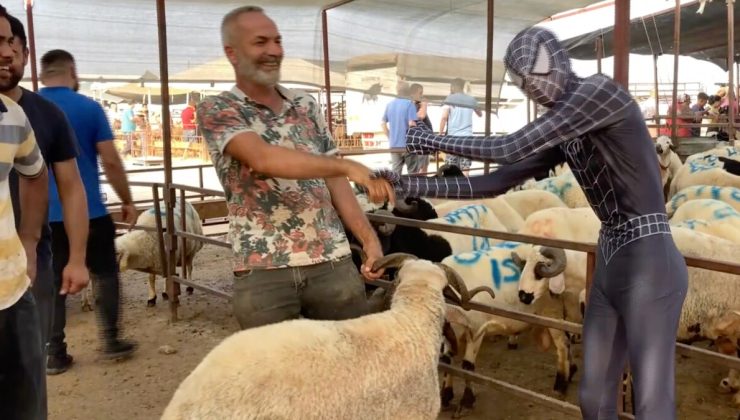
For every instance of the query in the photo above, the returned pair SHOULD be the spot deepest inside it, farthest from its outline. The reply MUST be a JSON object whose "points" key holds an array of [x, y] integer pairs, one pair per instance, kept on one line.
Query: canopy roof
{"points": [[120, 37], [703, 36]]}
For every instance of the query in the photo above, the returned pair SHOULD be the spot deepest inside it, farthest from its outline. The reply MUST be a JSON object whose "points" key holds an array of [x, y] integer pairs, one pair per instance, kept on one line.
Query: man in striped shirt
{"points": [[22, 373]]}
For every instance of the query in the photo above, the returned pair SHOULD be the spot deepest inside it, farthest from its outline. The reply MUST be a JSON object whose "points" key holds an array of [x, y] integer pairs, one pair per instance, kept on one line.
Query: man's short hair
{"points": [[56, 62], [231, 17], [16, 27], [458, 83], [701, 96], [416, 87]]}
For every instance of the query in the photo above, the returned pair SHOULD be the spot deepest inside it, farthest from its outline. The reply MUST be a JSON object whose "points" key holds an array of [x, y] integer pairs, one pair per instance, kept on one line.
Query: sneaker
{"points": [[118, 349], [58, 364]]}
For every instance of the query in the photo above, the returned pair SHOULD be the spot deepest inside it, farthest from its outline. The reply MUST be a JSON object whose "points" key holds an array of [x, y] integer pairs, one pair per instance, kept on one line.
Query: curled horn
{"points": [[407, 206], [456, 283], [518, 260], [555, 266], [393, 260], [358, 249]]}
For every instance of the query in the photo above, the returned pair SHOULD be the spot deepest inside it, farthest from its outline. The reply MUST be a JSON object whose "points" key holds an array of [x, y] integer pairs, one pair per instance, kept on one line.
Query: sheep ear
{"points": [[542, 63], [557, 284]]}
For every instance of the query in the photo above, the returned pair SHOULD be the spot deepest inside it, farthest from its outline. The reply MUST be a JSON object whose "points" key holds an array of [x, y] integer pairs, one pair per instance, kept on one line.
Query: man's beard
{"points": [[247, 69], [11, 83]]}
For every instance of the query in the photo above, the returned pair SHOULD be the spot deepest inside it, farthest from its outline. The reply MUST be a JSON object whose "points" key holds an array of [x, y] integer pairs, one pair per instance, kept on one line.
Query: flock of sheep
{"points": [[384, 365]]}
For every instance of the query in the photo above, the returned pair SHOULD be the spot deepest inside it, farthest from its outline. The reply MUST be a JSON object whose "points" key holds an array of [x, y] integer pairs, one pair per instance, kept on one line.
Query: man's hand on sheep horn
{"points": [[378, 189]]}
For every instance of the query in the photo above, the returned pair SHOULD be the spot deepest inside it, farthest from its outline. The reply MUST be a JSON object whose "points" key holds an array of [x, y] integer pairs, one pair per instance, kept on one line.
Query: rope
{"points": [[647, 35]]}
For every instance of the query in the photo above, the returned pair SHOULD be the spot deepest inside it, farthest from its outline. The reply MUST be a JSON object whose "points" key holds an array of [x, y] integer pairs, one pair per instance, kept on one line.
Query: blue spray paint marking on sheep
{"points": [[693, 223], [473, 213], [496, 272], [725, 212]]}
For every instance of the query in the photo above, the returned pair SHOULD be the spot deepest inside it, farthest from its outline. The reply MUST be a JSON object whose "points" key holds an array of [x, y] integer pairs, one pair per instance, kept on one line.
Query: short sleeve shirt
{"points": [[273, 222], [460, 120], [19, 151], [57, 142]]}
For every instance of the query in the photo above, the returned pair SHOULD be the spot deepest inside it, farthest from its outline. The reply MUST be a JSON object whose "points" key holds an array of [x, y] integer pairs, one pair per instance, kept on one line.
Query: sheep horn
{"points": [[518, 260], [555, 266], [405, 207], [393, 260], [457, 284], [358, 249]]}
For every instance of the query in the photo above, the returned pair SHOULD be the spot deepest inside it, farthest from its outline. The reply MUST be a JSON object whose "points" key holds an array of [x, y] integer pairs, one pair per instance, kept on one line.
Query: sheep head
{"points": [[455, 289], [538, 264]]}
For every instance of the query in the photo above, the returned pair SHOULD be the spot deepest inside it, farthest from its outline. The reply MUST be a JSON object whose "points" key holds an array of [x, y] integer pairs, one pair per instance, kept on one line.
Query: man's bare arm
{"points": [[34, 200], [354, 218], [114, 170], [74, 205]]}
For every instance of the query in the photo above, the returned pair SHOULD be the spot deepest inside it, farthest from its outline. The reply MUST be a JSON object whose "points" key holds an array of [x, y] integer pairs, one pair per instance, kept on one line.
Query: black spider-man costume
{"points": [[641, 279]]}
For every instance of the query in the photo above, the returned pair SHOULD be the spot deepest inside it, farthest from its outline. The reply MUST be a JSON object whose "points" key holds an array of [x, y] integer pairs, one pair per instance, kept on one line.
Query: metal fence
{"points": [[170, 242]]}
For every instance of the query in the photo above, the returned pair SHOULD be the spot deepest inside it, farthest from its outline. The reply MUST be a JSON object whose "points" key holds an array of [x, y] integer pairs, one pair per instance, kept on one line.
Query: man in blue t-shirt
{"points": [[95, 138], [400, 114], [59, 149], [457, 119]]}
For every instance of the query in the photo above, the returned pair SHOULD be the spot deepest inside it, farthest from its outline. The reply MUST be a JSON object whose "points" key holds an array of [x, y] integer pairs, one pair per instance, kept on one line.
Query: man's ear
{"points": [[230, 54], [543, 62]]}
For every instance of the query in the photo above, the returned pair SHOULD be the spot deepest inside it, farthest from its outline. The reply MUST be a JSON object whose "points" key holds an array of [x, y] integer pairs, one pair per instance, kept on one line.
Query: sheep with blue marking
{"points": [[709, 216], [139, 249], [475, 216], [497, 268], [707, 169], [729, 195], [565, 186]]}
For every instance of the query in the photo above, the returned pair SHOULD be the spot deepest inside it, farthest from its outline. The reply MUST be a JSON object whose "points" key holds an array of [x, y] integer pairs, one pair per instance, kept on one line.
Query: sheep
{"points": [[712, 217], [729, 195], [705, 170], [725, 151], [505, 213], [139, 249], [475, 216], [579, 224], [379, 366], [727, 329], [668, 160], [565, 187], [496, 267]]}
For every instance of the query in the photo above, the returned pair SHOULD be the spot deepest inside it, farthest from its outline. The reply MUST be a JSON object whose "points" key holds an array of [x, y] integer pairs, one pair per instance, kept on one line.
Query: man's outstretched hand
{"points": [[378, 189]]}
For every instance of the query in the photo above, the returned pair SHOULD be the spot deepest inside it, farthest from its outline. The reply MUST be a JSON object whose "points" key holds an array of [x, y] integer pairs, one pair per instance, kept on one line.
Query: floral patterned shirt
{"points": [[273, 222]]}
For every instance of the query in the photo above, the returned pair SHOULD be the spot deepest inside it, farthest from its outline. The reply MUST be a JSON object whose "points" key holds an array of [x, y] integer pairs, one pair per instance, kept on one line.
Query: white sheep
{"points": [[668, 160], [496, 268], [379, 366], [579, 224], [475, 216], [729, 195], [505, 213], [706, 169], [709, 216], [526, 202], [139, 249], [725, 151], [565, 186]]}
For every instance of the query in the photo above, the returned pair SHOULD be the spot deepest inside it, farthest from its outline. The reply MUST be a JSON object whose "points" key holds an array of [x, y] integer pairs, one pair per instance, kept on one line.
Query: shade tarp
{"points": [[703, 36], [120, 37]]}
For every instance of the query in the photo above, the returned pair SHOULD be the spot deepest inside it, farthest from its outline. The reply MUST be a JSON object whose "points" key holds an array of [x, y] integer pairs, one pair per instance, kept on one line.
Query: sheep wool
{"points": [[381, 366]]}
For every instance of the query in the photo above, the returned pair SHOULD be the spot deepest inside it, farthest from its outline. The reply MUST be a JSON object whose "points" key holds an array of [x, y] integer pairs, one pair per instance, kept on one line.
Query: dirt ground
{"points": [[140, 388]]}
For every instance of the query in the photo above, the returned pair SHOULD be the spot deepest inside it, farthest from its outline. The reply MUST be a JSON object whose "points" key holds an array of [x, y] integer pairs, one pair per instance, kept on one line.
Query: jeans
{"points": [[103, 266], [331, 291], [415, 163], [22, 362]]}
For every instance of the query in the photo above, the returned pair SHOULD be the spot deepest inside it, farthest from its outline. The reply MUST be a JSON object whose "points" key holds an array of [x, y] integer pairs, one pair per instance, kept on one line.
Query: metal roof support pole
{"points": [[622, 42], [599, 53], [327, 70], [32, 44], [489, 73], [173, 288], [676, 51], [657, 91], [731, 68]]}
